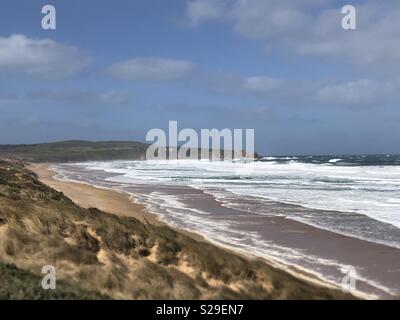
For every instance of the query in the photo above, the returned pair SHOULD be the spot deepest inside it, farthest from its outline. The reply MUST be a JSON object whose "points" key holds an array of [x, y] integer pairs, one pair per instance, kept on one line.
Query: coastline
{"points": [[90, 196], [101, 255], [123, 204]]}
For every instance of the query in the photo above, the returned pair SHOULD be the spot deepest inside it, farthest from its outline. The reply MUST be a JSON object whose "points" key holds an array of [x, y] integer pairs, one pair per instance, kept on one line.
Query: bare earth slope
{"points": [[121, 257]]}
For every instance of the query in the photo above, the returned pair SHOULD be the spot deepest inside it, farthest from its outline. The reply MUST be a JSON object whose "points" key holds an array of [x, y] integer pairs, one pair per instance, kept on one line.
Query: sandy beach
{"points": [[121, 251], [362, 255], [120, 203], [88, 196]]}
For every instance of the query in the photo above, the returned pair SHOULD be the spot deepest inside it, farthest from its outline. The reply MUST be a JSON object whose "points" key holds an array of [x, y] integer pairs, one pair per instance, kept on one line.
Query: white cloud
{"points": [[262, 84], [82, 97], [313, 28], [231, 84], [39, 57], [108, 98], [203, 10], [152, 69], [361, 92], [375, 43], [113, 97]]}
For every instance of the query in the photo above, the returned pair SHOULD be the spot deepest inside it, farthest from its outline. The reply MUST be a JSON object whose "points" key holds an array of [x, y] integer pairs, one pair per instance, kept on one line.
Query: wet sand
{"points": [[376, 262]]}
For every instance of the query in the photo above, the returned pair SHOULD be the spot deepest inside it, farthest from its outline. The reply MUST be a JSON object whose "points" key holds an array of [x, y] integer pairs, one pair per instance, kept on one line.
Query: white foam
{"points": [[365, 190]]}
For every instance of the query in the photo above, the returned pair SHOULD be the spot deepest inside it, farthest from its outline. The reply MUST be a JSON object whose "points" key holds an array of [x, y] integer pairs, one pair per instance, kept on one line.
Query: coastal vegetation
{"points": [[75, 150]]}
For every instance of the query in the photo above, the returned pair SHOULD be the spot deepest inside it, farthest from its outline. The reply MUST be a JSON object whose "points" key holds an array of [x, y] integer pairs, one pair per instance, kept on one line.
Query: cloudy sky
{"points": [[115, 69]]}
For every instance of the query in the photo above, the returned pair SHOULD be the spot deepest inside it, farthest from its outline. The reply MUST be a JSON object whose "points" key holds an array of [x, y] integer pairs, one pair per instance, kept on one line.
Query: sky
{"points": [[112, 70]]}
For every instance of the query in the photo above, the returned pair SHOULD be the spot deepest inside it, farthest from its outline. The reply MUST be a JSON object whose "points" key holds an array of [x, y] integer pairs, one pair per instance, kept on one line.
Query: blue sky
{"points": [[115, 69]]}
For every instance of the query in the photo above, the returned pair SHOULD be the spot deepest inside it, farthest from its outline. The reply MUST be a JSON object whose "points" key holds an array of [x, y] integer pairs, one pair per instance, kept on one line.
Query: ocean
{"points": [[230, 202]]}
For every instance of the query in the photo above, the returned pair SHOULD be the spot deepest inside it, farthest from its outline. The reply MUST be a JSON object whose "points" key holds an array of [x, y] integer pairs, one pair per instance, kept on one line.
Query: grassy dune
{"points": [[18, 284], [120, 257]]}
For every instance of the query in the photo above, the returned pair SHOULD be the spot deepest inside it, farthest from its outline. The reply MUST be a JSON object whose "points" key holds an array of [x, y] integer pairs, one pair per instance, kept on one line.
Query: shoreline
{"points": [[101, 255], [112, 201], [124, 204]]}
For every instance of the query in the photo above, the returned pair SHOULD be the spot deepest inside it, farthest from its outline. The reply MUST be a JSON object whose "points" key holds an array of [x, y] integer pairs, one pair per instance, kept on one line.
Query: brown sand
{"points": [[88, 196]]}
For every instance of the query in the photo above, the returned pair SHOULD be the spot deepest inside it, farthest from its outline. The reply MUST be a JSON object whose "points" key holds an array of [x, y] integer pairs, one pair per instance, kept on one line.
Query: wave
{"points": [[334, 160], [367, 190]]}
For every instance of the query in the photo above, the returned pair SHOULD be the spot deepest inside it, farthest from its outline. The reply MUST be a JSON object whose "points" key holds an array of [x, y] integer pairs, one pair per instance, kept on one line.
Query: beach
{"points": [[88, 196], [317, 255], [121, 253]]}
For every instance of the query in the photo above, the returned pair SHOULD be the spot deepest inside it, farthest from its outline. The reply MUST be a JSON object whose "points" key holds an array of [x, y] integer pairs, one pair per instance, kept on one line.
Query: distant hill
{"points": [[79, 150], [75, 150]]}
